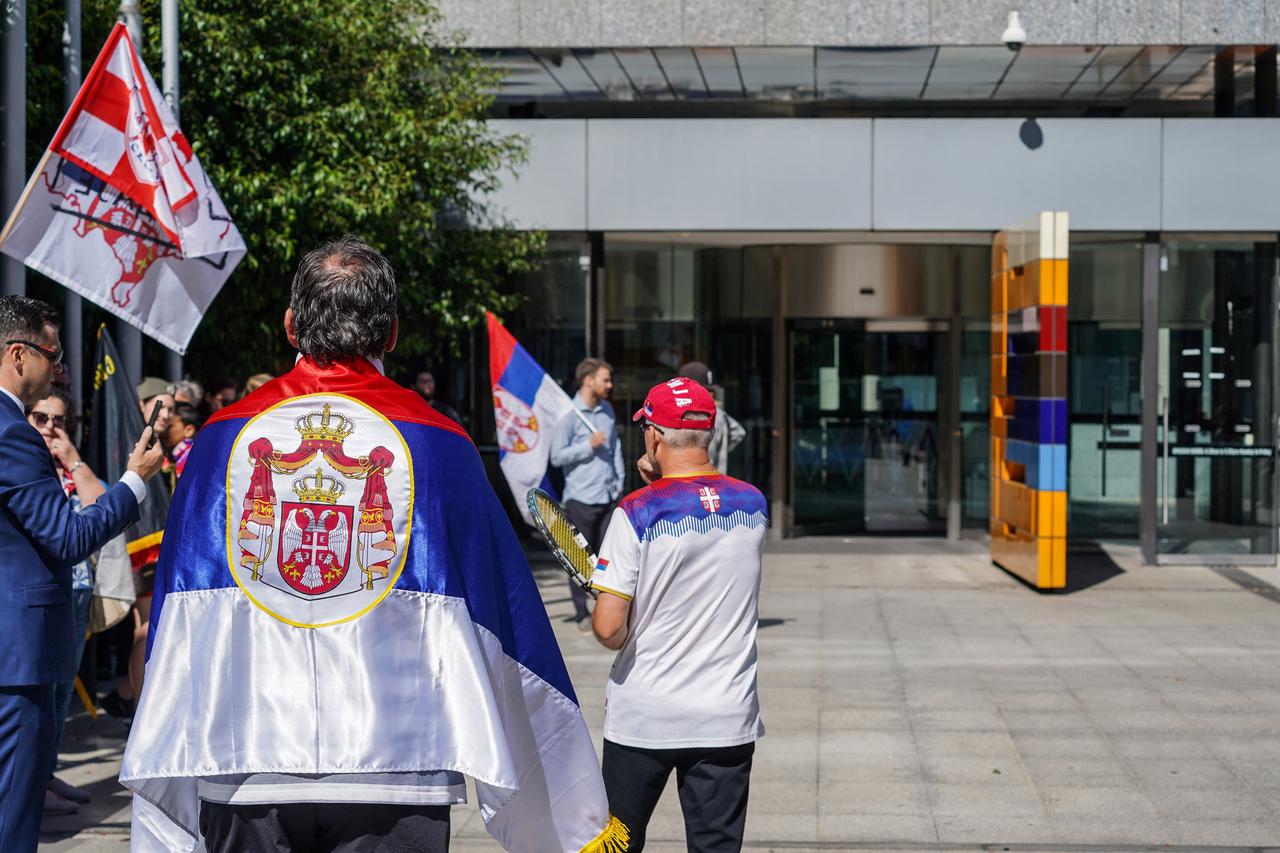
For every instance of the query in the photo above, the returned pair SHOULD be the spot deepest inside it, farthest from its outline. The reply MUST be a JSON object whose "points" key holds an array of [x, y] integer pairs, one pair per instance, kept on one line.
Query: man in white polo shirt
{"points": [[679, 582]]}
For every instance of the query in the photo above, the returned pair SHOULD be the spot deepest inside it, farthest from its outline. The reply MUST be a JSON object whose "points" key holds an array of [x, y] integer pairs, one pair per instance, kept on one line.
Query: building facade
{"points": [[804, 194]]}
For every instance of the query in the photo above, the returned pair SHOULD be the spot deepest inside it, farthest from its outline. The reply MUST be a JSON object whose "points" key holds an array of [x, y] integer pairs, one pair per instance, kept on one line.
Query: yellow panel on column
{"points": [[1029, 400]]}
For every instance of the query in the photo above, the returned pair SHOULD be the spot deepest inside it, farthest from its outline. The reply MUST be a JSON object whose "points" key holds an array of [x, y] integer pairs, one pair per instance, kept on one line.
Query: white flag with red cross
{"points": [[119, 209]]}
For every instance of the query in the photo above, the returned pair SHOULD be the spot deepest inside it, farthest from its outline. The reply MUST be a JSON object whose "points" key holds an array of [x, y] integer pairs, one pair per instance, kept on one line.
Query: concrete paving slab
{"points": [[897, 675]]}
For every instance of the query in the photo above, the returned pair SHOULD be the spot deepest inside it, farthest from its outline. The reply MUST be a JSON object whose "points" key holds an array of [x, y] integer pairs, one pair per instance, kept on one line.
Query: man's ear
{"points": [[394, 336], [289, 331]]}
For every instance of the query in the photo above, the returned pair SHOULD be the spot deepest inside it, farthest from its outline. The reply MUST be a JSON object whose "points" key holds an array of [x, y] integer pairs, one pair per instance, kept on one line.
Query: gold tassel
{"points": [[614, 838]]}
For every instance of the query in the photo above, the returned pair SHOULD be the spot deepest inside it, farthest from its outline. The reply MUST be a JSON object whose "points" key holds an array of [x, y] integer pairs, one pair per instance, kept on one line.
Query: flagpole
{"points": [[73, 306], [22, 199], [169, 84], [13, 274], [128, 337]]}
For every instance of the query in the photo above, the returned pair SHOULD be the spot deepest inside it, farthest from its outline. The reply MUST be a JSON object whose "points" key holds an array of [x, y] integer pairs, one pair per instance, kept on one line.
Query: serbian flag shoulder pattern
{"points": [[527, 405], [121, 211], [340, 592]]}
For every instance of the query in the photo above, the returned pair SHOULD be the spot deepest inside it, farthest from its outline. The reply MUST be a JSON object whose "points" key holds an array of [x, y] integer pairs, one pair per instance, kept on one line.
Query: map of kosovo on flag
{"points": [[119, 209]]}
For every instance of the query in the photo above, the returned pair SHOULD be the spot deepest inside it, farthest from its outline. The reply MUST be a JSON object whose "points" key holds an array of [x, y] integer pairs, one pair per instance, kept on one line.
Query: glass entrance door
{"points": [[1216, 428], [865, 429]]}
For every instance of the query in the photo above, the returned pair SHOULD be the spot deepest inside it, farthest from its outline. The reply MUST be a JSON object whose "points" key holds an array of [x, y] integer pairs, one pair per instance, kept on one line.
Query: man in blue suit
{"points": [[41, 538]]}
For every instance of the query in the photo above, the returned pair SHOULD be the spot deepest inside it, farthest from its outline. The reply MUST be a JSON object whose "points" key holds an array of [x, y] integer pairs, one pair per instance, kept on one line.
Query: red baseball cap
{"points": [[669, 404]]}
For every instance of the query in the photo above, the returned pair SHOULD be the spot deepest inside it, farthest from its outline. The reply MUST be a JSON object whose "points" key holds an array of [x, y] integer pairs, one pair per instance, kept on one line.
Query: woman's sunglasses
{"points": [[40, 419]]}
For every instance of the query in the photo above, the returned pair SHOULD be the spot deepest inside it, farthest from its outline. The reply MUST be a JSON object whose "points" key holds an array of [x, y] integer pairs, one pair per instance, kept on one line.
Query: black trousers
{"points": [[592, 520], [712, 784], [324, 828]]}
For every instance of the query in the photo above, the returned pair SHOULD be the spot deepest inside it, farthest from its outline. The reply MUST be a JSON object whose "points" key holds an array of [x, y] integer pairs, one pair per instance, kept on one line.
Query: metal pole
{"points": [[73, 307], [169, 82], [1150, 392], [129, 338], [13, 177]]}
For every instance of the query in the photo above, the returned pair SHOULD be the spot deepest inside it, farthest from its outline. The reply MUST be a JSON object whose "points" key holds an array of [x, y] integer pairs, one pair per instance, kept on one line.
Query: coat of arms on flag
{"points": [[121, 211], [527, 404], [332, 551]]}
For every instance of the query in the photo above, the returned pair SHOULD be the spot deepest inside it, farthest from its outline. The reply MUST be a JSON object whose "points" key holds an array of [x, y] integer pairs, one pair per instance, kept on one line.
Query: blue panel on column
{"points": [[1041, 420], [1046, 464]]}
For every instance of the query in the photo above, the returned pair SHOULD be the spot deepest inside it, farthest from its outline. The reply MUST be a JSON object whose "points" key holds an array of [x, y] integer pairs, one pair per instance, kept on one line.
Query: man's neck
{"points": [[687, 463], [13, 384], [589, 399]]}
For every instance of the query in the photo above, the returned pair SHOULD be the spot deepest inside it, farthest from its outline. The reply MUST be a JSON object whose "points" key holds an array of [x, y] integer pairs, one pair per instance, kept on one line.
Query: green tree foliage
{"points": [[317, 119]]}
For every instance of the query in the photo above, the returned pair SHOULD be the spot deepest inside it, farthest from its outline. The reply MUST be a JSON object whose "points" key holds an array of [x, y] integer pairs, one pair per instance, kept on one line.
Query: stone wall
{"points": [[834, 23]]}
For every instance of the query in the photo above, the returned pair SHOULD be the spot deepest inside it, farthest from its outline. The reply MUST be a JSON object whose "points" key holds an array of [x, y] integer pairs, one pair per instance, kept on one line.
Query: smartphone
{"points": [[151, 422]]}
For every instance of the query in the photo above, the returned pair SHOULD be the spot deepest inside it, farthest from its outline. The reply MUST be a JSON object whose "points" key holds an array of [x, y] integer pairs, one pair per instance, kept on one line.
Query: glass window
{"points": [[666, 305], [1216, 351], [1104, 351]]}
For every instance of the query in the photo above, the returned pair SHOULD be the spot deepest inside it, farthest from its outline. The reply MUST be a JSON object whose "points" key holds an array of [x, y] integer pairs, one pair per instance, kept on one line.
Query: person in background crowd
{"points": [[221, 391], [121, 700], [728, 433], [183, 426], [41, 538], [187, 391], [682, 610], [425, 384], [52, 419], [150, 391], [256, 381], [592, 464]]}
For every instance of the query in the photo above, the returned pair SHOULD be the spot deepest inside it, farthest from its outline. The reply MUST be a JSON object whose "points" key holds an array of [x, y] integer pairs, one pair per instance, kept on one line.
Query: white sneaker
{"points": [[68, 791], [58, 805]]}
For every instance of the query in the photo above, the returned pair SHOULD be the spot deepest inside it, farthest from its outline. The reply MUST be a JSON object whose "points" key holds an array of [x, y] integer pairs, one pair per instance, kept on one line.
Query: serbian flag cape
{"points": [[119, 209], [340, 592], [527, 405]]}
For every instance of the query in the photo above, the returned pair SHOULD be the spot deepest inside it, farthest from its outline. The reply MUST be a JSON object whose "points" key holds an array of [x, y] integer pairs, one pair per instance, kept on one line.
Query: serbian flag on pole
{"points": [[527, 405], [340, 594], [119, 209]]}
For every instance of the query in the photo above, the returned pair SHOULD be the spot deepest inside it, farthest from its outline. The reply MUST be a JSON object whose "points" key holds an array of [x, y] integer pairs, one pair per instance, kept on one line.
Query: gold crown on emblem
{"points": [[318, 489], [323, 426]]}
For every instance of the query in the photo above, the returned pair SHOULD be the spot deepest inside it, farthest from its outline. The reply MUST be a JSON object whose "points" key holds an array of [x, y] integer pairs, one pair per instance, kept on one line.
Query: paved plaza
{"points": [[917, 698]]}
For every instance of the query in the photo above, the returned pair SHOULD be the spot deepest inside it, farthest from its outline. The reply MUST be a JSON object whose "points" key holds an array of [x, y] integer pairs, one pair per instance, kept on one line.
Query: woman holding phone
{"points": [[51, 417]]}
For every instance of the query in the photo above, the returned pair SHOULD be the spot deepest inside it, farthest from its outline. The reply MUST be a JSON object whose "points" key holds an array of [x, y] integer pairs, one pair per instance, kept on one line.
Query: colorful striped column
{"points": [[1029, 401]]}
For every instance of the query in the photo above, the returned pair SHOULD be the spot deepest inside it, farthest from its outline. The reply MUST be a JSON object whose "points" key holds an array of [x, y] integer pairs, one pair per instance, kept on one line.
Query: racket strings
{"points": [[566, 538]]}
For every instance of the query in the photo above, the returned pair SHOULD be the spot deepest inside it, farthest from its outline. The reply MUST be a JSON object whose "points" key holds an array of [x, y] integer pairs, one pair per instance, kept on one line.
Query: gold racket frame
{"points": [[563, 538]]}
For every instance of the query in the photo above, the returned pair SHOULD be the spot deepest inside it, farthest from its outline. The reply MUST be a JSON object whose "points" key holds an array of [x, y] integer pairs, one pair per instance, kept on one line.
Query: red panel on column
{"points": [[1053, 328]]}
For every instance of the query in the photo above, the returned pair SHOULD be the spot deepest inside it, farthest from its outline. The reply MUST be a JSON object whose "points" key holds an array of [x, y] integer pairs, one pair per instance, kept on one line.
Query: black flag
{"points": [[115, 427]]}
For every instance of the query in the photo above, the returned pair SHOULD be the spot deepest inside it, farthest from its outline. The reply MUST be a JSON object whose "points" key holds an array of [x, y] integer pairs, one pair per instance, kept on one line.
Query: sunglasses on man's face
{"points": [[53, 355], [41, 420]]}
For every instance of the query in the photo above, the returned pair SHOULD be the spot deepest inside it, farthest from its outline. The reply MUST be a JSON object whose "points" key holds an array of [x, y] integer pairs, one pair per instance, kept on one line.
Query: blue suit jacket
{"points": [[41, 538]]}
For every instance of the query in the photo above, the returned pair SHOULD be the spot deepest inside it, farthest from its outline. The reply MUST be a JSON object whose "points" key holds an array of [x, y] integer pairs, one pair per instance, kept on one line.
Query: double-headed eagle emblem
{"points": [[315, 546]]}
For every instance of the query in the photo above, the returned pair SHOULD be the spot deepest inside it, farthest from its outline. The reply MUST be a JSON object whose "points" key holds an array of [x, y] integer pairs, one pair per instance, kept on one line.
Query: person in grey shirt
{"points": [[728, 433], [592, 464]]}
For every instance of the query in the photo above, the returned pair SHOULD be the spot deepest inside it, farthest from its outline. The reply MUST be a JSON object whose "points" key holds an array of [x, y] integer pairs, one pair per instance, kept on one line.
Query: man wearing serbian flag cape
{"points": [[344, 623]]}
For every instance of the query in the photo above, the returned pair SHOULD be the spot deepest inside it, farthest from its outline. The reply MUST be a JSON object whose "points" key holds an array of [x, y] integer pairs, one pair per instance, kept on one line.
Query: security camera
{"points": [[1014, 36]]}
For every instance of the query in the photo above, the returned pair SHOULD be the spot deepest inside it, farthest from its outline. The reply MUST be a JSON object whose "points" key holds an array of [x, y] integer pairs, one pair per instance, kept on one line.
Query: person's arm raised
{"points": [[32, 493]]}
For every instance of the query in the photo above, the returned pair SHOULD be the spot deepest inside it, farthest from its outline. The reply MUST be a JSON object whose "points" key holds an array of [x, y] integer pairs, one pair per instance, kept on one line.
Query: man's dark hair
{"points": [[589, 366], [220, 383], [25, 318], [189, 415], [343, 301]]}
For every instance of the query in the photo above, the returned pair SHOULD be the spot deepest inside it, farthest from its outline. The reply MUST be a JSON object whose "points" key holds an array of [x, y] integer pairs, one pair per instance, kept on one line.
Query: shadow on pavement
{"points": [[1089, 567]]}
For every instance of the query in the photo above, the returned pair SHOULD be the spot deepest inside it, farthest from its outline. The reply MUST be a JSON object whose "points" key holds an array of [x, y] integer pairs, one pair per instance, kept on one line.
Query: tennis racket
{"points": [[563, 538]]}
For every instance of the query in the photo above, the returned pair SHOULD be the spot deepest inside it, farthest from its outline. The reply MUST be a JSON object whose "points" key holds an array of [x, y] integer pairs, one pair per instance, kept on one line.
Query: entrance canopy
{"points": [[1109, 80]]}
